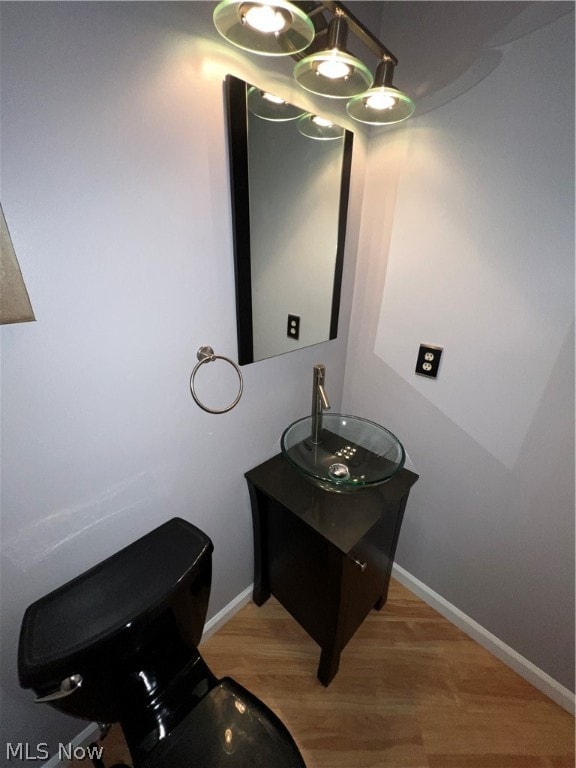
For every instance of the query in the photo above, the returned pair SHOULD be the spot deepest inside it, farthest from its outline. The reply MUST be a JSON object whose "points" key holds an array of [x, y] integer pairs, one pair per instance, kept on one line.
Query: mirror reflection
{"points": [[290, 174]]}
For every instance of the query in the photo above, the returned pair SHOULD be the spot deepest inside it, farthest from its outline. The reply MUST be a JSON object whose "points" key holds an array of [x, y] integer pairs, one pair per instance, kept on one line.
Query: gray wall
{"points": [[115, 188], [467, 242]]}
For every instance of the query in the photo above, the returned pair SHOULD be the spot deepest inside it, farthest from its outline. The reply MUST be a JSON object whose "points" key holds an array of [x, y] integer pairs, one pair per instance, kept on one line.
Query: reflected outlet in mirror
{"points": [[289, 207]]}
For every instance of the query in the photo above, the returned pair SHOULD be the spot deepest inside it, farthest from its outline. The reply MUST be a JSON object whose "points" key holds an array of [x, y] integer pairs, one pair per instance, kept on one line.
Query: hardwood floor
{"points": [[413, 691]]}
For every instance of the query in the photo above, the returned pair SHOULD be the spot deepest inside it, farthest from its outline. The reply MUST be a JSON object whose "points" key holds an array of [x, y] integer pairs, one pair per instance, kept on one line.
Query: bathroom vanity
{"points": [[325, 556]]}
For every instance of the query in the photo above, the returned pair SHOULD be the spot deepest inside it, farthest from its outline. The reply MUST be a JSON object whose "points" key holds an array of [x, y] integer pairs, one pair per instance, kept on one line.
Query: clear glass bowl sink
{"points": [[352, 454]]}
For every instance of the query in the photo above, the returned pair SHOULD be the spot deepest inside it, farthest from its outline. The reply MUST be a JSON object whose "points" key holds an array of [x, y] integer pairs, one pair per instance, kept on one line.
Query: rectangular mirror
{"points": [[290, 180]]}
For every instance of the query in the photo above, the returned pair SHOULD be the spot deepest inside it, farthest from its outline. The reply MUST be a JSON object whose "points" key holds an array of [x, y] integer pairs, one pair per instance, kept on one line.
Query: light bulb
{"points": [[334, 69], [265, 18], [380, 101], [316, 127]]}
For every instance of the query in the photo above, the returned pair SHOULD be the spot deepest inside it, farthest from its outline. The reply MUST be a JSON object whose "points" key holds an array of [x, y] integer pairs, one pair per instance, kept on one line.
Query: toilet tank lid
{"points": [[129, 585]]}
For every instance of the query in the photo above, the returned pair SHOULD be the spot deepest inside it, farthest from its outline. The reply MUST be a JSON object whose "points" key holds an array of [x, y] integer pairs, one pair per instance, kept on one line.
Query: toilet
{"points": [[119, 644]]}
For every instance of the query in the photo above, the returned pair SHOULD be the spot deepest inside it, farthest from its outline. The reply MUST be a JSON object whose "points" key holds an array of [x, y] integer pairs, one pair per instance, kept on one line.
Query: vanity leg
{"points": [[261, 591], [329, 663], [379, 604], [259, 595]]}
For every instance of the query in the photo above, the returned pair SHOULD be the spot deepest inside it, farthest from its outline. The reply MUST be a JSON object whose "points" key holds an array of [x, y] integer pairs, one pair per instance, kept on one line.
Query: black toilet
{"points": [[119, 644]]}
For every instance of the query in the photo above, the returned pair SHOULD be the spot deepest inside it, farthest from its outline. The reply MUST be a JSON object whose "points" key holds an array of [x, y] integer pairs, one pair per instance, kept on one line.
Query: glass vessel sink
{"points": [[352, 453]]}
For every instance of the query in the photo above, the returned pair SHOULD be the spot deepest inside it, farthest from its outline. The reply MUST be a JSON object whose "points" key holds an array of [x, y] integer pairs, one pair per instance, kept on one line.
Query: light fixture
{"points": [[280, 28], [270, 107], [316, 127], [267, 27], [383, 104], [333, 71]]}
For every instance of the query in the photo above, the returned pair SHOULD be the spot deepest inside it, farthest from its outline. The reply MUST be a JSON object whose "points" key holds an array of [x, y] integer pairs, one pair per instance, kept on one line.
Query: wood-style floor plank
{"points": [[413, 691]]}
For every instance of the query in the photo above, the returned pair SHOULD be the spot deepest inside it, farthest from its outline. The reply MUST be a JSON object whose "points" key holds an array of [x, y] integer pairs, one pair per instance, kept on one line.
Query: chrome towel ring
{"points": [[206, 355]]}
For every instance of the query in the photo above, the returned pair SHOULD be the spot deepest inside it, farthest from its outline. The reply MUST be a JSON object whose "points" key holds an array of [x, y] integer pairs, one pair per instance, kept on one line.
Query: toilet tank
{"points": [[127, 627]]}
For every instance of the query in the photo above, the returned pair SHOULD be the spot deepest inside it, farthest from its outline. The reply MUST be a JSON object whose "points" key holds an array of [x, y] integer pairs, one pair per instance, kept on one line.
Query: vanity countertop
{"points": [[343, 519]]}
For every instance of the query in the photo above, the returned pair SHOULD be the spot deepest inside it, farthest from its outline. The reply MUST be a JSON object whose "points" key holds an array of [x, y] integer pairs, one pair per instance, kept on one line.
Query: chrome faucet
{"points": [[320, 402]]}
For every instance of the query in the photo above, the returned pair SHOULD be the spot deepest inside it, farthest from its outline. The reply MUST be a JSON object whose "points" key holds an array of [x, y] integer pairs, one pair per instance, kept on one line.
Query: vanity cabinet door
{"points": [[367, 574]]}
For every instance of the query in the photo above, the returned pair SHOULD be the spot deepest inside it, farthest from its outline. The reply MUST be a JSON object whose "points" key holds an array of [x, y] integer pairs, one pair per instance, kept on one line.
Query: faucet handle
{"points": [[319, 378], [323, 398]]}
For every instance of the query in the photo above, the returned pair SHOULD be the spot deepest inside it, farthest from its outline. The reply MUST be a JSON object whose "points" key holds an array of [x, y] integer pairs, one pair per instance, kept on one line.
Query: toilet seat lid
{"points": [[229, 728]]}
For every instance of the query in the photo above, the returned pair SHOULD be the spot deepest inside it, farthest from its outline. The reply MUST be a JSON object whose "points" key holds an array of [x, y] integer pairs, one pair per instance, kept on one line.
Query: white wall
{"points": [[467, 242], [115, 189]]}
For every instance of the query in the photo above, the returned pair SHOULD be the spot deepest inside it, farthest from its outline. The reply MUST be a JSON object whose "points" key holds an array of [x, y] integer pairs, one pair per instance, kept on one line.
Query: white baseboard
{"points": [[217, 621], [526, 669]]}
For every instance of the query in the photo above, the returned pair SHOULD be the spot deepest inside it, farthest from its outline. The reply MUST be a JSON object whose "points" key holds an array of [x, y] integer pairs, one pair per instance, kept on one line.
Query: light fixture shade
{"points": [[381, 105], [315, 127], [267, 27], [333, 72], [270, 107], [308, 73]]}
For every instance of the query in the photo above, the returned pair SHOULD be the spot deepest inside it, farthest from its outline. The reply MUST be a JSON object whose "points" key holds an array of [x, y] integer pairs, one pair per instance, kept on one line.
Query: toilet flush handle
{"points": [[67, 687]]}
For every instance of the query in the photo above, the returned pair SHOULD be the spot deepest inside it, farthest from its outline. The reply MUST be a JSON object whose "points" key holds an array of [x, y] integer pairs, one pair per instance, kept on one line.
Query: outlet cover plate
{"points": [[428, 360], [293, 327]]}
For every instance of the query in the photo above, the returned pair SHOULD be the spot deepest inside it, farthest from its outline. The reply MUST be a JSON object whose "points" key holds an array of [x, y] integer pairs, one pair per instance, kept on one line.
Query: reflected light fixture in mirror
{"points": [[333, 72], [383, 104], [268, 27], [270, 107], [316, 127]]}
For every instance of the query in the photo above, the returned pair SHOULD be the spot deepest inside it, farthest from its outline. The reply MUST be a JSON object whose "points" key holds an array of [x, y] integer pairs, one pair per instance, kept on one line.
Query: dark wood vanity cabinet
{"points": [[325, 556]]}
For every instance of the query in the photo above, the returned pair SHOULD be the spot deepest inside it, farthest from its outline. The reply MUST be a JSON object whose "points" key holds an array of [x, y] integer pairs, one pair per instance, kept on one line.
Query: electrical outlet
{"points": [[293, 328], [428, 360]]}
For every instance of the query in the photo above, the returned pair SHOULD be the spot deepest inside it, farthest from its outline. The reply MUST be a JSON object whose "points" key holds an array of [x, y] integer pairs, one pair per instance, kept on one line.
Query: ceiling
{"points": [[445, 48]]}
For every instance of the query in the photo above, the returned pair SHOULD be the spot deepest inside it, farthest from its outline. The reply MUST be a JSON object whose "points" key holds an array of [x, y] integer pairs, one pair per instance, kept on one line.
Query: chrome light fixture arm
{"points": [[359, 30]]}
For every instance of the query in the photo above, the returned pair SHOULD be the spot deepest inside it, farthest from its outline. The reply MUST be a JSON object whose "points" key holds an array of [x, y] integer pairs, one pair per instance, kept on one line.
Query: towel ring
{"points": [[206, 355]]}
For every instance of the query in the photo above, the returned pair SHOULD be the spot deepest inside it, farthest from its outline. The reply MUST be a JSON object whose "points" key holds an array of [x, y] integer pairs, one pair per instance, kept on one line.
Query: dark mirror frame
{"points": [[237, 127]]}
